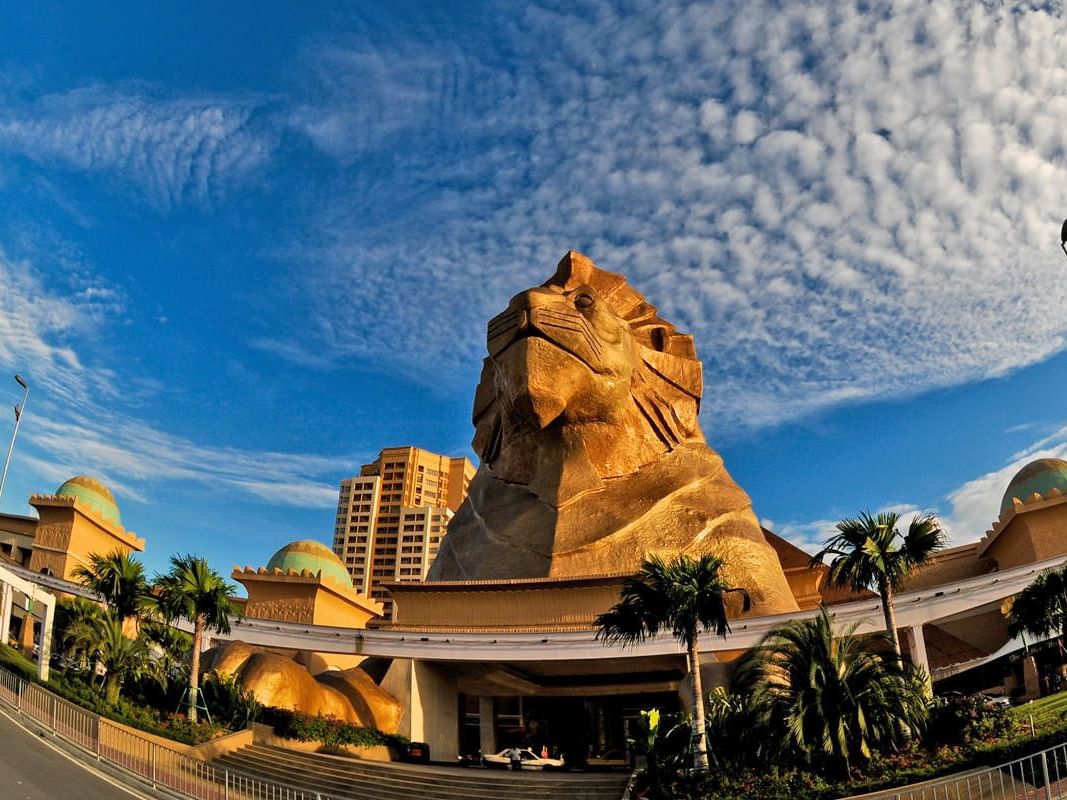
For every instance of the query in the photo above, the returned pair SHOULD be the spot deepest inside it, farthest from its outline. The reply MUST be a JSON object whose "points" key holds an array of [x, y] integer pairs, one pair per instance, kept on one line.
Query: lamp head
{"points": [[21, 381]]}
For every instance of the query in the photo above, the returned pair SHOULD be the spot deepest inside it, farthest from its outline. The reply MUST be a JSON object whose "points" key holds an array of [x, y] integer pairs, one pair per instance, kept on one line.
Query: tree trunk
{"points": [[890, 620], [194, 668], [112, 688], [700, 739]]}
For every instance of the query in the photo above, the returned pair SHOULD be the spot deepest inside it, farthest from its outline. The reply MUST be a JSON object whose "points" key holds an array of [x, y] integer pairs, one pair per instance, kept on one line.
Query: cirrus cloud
{"points": [[172, 148], [840, 202]]}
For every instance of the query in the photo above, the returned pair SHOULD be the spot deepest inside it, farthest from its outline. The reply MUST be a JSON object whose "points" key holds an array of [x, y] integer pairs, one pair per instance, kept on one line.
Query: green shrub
{"points": [[665, 741], [149, 720], [966, 720], [751, 783], [332, 732], [228, 702]]}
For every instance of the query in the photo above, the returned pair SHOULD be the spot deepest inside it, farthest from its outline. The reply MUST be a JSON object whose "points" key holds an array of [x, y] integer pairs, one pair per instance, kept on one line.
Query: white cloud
{"points": [[966, 512], [72, 425], [976, 504], [128, 450], [37, 328], [174, 149], [839, 204]]}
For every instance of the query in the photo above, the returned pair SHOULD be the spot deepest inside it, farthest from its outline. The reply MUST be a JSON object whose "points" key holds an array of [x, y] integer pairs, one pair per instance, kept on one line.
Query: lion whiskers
{"points": [[556, 316]]}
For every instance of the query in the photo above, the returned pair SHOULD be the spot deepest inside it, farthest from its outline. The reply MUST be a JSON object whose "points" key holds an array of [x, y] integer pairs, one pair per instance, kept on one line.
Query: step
{"points": [[437, 772], [352, 784], [380, 785], [345, 777], [365, 790]]}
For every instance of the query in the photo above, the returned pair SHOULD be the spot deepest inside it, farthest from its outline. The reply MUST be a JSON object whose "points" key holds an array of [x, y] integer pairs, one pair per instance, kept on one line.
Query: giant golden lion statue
{"points": [[592, 457]]}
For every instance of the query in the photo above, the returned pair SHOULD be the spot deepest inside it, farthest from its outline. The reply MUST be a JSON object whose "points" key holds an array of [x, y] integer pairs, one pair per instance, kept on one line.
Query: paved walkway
{"points": [[31, 768]]}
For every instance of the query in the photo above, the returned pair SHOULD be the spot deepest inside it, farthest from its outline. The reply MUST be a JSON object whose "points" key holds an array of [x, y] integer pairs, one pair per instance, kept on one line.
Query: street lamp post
{"points": [[19, 409]]}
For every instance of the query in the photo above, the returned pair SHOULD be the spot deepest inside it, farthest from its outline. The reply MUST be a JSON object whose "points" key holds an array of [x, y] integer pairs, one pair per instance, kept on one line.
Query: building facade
{"points": [[81, 519], [392, 516]]}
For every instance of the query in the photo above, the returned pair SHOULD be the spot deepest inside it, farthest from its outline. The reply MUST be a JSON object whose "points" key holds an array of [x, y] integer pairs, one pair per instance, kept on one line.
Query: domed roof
{"points": [[1039, 476], [94, 494], [313, 556]]}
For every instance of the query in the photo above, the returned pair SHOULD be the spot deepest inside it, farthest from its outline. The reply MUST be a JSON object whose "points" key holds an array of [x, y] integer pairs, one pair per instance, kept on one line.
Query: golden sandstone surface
{"points": [[279, 681], [592, 456]]}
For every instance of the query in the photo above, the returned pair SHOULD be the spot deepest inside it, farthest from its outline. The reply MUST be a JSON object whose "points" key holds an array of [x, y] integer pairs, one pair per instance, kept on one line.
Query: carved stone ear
{"points": [[486, 415]]}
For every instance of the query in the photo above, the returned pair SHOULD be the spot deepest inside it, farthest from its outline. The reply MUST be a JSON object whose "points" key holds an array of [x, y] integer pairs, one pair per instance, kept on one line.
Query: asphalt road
{"points": [[30, 769]]}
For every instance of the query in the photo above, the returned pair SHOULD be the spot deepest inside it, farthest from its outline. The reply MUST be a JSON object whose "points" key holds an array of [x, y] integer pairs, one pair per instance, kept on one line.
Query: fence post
{"points": [[21, 684], [1044, 774], [55, 702], [226, 784], [152, 761]]}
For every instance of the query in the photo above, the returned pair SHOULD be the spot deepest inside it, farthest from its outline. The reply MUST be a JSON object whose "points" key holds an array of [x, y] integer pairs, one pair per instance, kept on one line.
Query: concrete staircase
{"points": [[340, 778]]}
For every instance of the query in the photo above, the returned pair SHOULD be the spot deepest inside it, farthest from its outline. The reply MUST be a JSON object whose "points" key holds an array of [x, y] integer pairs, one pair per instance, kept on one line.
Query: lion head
{"points": [[582, 362]]}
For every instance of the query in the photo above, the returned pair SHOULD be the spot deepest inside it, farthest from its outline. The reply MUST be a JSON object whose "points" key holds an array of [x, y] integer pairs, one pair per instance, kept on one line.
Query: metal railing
{"points": [[1039, 776], [156, 763]]}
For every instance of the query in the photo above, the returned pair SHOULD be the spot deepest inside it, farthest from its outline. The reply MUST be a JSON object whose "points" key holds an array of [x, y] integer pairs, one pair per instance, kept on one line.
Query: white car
{"points": [[530, 760], [994, 700]]}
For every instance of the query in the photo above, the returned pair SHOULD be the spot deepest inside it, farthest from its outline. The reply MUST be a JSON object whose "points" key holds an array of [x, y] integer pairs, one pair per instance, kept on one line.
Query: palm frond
{"points": [[827, 695]]}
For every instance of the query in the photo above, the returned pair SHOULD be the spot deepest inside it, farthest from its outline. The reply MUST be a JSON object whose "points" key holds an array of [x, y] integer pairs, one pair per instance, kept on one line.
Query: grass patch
{"points": [[17, 663], [1048, 712]]}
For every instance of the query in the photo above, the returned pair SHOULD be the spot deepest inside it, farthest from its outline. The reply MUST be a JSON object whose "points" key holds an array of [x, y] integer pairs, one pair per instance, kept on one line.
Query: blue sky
{"points": [[243, 247]]}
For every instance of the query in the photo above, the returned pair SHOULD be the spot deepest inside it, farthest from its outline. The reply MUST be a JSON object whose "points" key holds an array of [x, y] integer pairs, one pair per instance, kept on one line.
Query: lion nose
{"points": [[533, 298]]}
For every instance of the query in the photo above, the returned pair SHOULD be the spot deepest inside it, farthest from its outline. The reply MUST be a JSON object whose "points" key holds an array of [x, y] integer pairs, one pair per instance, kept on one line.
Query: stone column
{"points": [[917, 648], [486, 726], [26, 634], [45, 655], [5, 613]]}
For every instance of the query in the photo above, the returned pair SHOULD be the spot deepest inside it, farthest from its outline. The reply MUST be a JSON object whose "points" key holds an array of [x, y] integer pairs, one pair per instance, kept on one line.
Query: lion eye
{"points": [[583, 300]]}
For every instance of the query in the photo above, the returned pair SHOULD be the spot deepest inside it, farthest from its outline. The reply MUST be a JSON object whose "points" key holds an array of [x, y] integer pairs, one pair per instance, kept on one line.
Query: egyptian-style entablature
{"points": [[1030, 526], [305, 582], [80, 519]]}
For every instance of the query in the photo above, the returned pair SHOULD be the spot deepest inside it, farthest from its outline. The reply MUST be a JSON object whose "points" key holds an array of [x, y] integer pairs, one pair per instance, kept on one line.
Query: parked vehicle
{"points": [[530, 760], [995, 701]]}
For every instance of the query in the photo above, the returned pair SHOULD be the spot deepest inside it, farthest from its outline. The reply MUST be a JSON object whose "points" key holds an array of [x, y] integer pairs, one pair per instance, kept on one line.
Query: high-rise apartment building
{"points": [[391, 517]]}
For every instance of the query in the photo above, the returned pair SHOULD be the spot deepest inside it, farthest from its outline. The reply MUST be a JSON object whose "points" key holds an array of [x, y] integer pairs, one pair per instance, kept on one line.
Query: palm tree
{"points": [[199, 594], [826, 697], [117, 578], [1041, 608], [102, 637], [167, 648], [684, 595], [75, 616], [120, 655], [870, 553]]}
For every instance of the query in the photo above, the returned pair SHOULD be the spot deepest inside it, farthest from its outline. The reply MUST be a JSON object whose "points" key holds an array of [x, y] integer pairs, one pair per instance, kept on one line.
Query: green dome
{"points": [[1039, 476], [94, 494], [313, 556]]}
